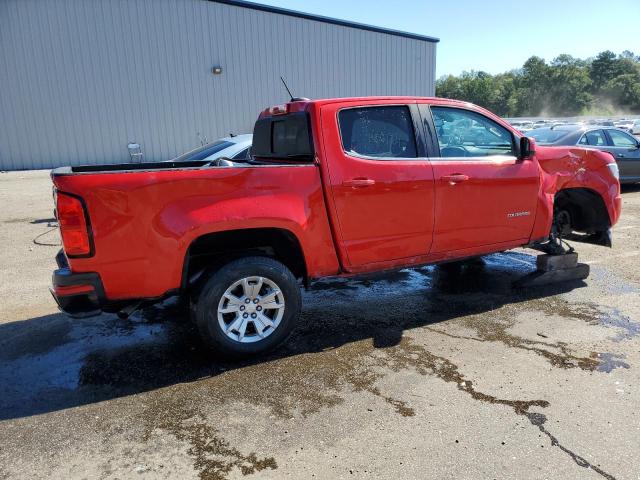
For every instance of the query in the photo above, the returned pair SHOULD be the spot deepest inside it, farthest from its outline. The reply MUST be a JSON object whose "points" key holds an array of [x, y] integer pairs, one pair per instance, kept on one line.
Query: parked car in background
{"points": [[541, 124], [623, 146], [635, 129], [522, 126], [235, 147], [626, 125]]}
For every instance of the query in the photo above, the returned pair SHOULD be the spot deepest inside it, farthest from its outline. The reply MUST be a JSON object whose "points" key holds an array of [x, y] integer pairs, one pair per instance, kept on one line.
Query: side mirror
{"points": [[527, 148]]}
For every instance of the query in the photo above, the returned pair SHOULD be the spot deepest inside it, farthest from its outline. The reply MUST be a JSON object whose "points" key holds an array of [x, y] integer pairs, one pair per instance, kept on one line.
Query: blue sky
{"points": [[496, 35]]}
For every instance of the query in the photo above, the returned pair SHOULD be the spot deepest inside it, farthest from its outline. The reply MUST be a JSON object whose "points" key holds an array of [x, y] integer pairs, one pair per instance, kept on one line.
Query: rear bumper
{"points": [[78, 295]]}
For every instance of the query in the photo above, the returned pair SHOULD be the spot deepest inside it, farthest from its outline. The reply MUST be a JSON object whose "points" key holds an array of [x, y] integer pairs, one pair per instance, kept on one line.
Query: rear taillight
{"points": [[74, 227]]}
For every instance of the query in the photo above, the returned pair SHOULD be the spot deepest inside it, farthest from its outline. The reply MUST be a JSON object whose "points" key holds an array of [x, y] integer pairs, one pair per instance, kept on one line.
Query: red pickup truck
{"points": [[335, 187]]}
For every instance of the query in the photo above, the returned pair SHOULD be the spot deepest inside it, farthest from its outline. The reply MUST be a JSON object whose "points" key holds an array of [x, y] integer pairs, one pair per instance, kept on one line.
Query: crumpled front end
{"points": [[579, 197]]}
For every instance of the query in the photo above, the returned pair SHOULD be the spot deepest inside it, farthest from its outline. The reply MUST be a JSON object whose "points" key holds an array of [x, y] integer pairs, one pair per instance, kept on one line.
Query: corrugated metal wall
{"points": [[80, 79]]}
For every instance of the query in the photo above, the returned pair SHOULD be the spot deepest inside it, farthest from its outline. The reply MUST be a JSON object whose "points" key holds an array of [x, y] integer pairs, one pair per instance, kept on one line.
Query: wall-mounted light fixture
{"points": [[135, 152], [216, 70]]}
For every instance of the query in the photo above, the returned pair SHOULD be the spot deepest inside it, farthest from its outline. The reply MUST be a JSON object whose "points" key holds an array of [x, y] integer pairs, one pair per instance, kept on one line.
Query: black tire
{"points": [[206, 306]]}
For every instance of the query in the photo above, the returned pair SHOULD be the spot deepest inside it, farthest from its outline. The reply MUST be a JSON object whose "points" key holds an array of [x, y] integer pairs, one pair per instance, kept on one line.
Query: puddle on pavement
{"points": [[607, 362], [310, 374], [302, 384], [336, 284], [610, 282], [626, 327], [335, 349]]}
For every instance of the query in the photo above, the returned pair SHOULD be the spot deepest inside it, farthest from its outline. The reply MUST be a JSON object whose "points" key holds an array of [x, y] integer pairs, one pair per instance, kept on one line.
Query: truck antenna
{"points": [[293, 99], [285, 86]]}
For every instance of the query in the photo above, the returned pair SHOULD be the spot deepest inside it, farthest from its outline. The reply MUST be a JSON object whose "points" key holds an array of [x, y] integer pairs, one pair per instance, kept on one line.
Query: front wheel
{"points": [[248, 307]]}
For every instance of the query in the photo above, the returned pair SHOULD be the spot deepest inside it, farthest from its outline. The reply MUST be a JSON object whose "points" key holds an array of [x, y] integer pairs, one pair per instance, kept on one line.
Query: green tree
{"points": [[570, 86], [605, 67], [534, 84], [624, 91], [566, 86]]}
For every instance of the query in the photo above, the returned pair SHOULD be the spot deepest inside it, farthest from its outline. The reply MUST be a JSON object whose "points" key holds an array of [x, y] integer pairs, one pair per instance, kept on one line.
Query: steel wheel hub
{"points": [[251, 309]]}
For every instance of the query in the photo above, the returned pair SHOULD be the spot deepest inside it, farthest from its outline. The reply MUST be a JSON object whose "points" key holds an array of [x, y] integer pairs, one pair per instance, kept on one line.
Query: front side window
{"points": [[463, 133], [594, 139], [379, 132], [621, 139]]}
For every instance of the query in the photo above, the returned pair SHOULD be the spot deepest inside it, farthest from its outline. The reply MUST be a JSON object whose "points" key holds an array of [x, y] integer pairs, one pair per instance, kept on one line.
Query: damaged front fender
{"points": [[578, 182]]}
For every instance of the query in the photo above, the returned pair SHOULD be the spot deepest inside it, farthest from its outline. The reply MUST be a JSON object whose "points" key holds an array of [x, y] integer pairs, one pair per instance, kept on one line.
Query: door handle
{"points": [[455, 178], [359, 182]]}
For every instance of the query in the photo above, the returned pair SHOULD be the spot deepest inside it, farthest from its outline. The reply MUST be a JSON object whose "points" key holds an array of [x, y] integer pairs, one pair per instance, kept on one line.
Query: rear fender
{"points": [[190, 219], [144, 222]]}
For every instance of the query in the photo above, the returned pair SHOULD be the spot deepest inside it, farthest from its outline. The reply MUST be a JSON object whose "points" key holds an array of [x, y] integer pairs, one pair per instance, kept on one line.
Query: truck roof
{"points": [[300, 105], [398, 98]]}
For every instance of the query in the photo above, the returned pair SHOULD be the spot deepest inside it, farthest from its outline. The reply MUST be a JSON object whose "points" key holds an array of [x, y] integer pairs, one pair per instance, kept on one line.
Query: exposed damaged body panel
{"points": [[578, 199]]}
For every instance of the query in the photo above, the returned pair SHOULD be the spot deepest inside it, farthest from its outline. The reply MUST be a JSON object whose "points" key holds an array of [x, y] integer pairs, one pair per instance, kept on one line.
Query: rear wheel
{"points": [[248, 307]]}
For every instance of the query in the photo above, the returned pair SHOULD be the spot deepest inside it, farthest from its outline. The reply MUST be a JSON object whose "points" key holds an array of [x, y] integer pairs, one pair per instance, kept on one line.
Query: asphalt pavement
{"points": [[430, 373]]}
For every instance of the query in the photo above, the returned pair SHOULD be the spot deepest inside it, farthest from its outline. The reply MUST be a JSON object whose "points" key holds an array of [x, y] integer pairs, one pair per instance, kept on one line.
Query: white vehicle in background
{"points": [[635, 129], [626, 125], [541, 123], [236, 147], [522, 126]]}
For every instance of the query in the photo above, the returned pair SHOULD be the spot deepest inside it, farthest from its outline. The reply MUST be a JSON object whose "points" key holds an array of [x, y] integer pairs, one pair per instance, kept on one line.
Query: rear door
{"points": [[380, 181], [596, 139], [484, 195], [626, 152]]}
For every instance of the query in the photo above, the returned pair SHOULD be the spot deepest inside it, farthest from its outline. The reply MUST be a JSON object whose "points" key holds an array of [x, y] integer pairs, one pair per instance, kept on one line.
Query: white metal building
{"points": [[81, 79]]}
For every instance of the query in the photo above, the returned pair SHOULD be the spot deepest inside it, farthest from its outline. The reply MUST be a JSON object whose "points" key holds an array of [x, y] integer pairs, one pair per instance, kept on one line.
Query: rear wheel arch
{"points": [[212, 251]]}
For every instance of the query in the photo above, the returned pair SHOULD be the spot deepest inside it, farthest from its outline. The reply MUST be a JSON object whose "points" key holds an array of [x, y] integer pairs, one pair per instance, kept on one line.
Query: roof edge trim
{"points": [[322, 18]]}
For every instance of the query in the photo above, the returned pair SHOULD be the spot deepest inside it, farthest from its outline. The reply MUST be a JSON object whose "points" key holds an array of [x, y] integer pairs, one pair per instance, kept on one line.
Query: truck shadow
{"points": [[51, 363]]}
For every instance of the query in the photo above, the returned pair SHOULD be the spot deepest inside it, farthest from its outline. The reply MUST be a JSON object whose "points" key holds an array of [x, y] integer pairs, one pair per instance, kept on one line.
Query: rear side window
{"points": [[621, 139], [462, 133], [594, 139], [378, 132]]}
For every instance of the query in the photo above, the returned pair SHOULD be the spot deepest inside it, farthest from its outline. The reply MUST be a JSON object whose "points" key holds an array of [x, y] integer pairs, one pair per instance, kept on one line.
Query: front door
{"points": [[381, 184], [484, 194], [626, 152]]}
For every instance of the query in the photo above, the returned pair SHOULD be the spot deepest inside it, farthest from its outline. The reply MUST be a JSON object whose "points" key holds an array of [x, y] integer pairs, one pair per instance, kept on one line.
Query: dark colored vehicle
{"points": [[623, 146]]}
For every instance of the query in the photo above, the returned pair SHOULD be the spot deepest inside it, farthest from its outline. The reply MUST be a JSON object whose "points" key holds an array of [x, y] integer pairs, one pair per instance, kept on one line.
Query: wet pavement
{"points": [[439, 372]]}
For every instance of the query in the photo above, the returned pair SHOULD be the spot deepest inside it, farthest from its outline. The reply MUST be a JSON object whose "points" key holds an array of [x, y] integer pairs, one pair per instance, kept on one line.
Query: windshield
{"points": [[205, 151], [546, 136]]}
